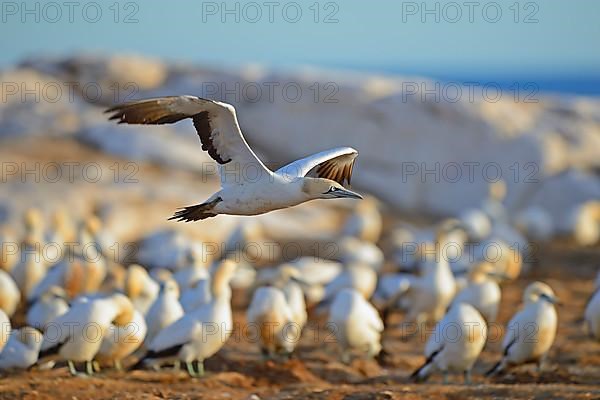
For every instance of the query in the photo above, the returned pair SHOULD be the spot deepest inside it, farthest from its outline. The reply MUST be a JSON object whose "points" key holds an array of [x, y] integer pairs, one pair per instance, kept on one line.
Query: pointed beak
{"points": [[552, 299], [348, 194]]}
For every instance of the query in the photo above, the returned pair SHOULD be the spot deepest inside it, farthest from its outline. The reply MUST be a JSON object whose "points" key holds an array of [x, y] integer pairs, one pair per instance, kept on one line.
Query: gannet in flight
{"points": [[455, 343], [248, 187], [531, 332]]}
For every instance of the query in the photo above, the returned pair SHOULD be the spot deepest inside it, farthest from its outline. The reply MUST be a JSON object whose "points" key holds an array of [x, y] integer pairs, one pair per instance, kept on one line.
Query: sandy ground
{"points": [[238, 371]]}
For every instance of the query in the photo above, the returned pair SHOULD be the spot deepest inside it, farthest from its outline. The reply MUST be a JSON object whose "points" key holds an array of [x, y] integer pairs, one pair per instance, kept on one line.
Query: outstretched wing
{"points": [[215, 122], [335, 164]]}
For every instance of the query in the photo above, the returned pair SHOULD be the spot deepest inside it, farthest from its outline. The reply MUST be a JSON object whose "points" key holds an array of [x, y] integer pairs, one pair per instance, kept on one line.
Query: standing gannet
{"points": [[9, 294], [50, 305], [427, 296], [365, 223], [531, 331], [248, 187], [121, 341], [455, 343], [9, 248], [356, 324], [140, 288], [482, 292], [76, 336], [357, 276], [21, 350], [592, 311], [165, 310], [200, 333], [270, 314], [4, 329]]}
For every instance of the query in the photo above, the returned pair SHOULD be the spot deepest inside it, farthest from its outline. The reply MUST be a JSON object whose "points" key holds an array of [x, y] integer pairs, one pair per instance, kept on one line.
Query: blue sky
{"points": [[544, 39]]}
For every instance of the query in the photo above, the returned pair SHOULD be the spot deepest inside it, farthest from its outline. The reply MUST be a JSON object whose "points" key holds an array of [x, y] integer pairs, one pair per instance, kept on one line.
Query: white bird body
{"points": [[272, 316], [50, 305], [530, 333], [165, 310], [77, 335], [121, 341], [365, 223], [592, 315], [353, 250], [5, 328], [295, 300], [481, 292], [140, 288], [248, 187], [22, 349], [456, 342], [356, 324], [200, 333], [10, 296], [428, 296], [30, 270], [196, 296], [357, 276]]}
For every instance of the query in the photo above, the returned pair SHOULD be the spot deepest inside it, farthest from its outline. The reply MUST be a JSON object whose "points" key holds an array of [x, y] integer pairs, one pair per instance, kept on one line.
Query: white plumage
{"points": [[22, 349], [140, 288], [481, 291], [200, 333], [270, 314], [531, 331], [592, 311], [50, 305], [455, 344], [248, 187], [121, 341], [5, 328], [76, 336], [165, 310], [9, 294], [356, 324]]}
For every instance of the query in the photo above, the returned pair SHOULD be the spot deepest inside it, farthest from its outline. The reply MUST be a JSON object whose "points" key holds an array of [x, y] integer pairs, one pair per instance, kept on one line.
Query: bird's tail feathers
{"points": [[498, 367], [196, 212]]}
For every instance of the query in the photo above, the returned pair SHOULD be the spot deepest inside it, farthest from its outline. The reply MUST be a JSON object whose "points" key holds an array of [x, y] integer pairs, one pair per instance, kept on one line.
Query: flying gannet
{"points": [[248, 187], [455, 343], [531, 331]]}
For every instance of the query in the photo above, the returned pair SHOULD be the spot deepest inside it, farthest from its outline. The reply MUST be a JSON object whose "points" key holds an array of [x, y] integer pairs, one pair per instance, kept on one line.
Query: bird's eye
{"points": [[333, 189]]}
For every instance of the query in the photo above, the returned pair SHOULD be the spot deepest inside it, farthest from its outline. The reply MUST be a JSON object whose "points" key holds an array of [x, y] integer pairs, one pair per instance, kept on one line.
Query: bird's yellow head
{"points": [[539, 291], [321, 188]]}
